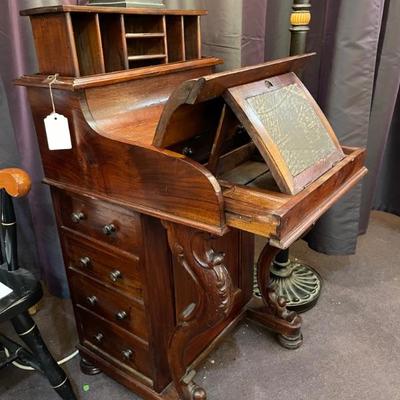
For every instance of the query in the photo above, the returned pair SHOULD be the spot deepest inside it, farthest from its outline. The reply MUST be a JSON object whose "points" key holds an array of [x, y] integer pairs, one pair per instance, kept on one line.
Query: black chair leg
{"points": [[28, 331]]}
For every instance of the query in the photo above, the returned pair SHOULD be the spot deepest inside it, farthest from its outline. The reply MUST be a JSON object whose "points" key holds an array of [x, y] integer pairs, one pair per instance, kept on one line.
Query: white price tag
{"points": [[4, 290], [57, 132]]}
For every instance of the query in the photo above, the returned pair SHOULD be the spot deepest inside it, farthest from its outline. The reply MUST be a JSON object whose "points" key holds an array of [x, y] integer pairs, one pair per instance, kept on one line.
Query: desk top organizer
{"points": [[87, 40]]}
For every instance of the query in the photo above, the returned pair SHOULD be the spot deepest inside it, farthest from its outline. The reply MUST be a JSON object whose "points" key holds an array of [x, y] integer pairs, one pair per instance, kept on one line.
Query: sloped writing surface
{"points": [[294, 126], [289, 129]]}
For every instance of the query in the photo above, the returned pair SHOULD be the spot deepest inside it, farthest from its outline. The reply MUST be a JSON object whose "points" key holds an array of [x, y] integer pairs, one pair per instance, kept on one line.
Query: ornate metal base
{"points": [[297, 282]]}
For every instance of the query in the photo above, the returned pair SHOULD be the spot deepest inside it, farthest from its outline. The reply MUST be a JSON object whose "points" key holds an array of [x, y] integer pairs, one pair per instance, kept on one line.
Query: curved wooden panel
{"points": [[118, 169], [131, 110]]}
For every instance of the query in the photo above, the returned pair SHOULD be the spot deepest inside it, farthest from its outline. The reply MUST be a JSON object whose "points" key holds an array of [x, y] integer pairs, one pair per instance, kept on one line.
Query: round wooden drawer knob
{"points": [[115, 275], [85, 262], [92, 300], [77, 217], [127, 354], [109, 229], [99, 337], [121, 315]]}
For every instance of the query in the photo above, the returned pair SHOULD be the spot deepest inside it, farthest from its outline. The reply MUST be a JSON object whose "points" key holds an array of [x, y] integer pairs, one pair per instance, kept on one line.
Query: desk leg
{"points": [[215, 296], [273, 314]]}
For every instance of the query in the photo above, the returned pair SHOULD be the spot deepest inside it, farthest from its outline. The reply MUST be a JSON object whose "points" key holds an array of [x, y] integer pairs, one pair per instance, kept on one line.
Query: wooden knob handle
{"points": [[15, 181], [115, 275], [77, 217], [109, 229], [99, 337], [127, 354], [121, 315], [92, 300], [85, 262]]}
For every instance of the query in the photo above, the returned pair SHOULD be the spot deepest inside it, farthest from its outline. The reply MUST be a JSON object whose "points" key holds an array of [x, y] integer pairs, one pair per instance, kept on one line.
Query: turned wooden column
{"points": [[299, 20]]}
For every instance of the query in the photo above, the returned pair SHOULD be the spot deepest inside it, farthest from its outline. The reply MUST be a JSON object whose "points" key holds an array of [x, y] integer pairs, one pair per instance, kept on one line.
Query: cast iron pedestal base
{"points": [[294, 280], [297, 282]]}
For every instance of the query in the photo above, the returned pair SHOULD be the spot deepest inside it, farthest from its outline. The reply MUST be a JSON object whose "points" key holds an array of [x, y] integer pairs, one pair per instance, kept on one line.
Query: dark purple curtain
{"points": [[358, 89], [39, 248]]}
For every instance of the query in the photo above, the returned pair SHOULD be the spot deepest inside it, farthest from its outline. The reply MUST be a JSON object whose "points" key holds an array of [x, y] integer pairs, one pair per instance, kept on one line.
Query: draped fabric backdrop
{"points": [[39, 248], [355, 78]]}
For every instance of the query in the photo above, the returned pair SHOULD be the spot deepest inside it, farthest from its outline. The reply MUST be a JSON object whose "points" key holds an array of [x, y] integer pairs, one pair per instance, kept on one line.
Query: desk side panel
{"points": [[55, 44]]}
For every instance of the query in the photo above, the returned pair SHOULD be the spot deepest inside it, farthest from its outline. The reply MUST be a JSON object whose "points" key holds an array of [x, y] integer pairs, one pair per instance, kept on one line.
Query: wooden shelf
{"points": [[99, 42], [144, 23], [146, 57], [144, 35]]}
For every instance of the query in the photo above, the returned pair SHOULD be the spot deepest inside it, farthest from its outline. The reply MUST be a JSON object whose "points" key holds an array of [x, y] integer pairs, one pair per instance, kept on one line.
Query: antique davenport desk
{"points": [[169, 173]]}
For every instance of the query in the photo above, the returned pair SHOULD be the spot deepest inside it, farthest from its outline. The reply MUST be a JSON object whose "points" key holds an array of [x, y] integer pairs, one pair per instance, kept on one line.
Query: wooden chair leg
{"points": [[29, 333]]}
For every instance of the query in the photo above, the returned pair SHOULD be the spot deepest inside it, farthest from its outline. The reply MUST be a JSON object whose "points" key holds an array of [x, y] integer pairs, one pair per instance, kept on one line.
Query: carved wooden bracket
{"points": [[215, 297], [274, 315]]}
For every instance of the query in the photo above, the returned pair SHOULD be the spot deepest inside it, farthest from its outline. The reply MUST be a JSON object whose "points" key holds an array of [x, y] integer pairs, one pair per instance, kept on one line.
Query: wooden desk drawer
{"points": [[125, 312], [122, 347], [104, 264], [106, 222], [259, 208]]}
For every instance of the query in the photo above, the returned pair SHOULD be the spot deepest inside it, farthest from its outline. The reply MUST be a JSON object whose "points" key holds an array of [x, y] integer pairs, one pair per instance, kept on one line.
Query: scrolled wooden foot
{"points": [[214, 301], [274, 314], [87, 368], [192, 391], [199, 394], [291, 342]]}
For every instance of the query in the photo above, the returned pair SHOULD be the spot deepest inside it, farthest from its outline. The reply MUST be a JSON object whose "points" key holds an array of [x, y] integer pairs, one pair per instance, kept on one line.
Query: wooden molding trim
{"points": [[73, 84], [110, 10]]}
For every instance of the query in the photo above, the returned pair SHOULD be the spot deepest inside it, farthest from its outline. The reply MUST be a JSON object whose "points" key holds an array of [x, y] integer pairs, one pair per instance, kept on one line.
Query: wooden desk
{"points": [[156, 217]]}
